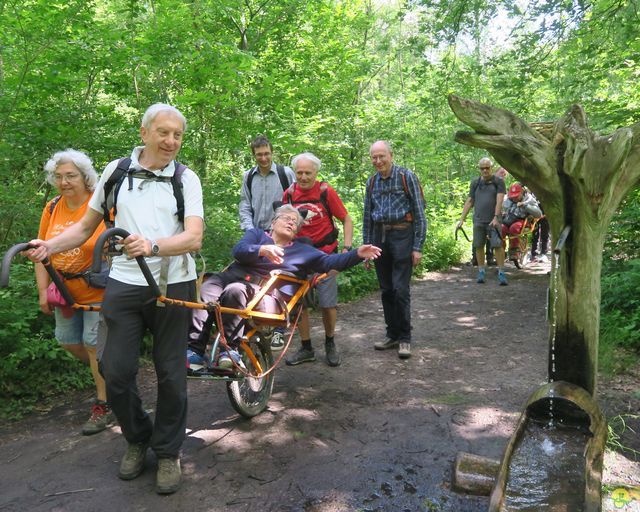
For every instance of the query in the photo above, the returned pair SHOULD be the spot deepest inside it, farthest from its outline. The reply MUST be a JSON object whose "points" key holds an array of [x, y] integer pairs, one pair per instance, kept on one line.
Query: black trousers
{"points": [[394, 268], [128, 312]]}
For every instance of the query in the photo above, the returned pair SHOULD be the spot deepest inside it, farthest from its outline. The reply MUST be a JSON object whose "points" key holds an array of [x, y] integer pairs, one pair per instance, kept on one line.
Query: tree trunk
{"points": [[580, 178]]}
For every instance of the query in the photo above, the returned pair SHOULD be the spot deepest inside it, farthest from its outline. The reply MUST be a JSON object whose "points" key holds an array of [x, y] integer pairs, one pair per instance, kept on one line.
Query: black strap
{"points": [[284, 181], [53, 203], [282, 176], [476, 184], [116, 179]]}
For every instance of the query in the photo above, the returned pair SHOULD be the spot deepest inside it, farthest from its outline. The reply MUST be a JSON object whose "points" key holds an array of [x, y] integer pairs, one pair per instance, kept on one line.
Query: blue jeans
{"points": [[394, 268]]}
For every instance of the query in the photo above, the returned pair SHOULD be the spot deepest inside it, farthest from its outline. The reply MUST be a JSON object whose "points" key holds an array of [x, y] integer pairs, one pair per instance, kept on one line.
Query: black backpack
{"points": [[333, 235], [122, 171], [282, 176]]}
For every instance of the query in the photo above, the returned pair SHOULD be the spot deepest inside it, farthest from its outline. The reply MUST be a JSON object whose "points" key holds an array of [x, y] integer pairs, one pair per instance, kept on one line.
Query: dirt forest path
{"points": [[375, 434]]}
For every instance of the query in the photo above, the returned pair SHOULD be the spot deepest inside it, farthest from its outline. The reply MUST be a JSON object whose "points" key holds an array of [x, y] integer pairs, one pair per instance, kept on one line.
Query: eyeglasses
{"points": [[59, 178], [484, 168], [286, 218]]}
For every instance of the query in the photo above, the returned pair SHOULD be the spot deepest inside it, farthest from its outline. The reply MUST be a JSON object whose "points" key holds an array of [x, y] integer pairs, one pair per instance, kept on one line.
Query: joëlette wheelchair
{"points": [[249, 383], [518, 248]]}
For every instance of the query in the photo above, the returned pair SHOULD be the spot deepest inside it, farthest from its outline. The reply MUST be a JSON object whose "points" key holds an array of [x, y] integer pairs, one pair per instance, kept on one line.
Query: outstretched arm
{"points": [[74, 236]]}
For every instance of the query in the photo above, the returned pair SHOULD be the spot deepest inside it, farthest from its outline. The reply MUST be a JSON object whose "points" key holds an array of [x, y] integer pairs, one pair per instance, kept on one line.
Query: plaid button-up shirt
{"points": [[387, 202]]}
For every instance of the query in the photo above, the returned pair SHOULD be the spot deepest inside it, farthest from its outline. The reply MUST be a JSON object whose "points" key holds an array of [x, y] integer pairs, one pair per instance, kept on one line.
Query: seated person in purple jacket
{"points": [[255, 256]]}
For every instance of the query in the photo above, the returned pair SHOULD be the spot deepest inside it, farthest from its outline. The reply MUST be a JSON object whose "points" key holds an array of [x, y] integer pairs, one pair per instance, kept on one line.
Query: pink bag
{"points": [[56, 300]]}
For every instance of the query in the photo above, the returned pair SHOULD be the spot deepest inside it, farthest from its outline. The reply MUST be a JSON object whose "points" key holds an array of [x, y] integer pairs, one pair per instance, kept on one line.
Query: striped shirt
{"points": [[387, 202]]}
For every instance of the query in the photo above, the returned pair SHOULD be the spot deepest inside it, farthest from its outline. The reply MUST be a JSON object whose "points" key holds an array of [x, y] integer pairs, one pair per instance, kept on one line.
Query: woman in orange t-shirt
{"points": [[72, 173]]}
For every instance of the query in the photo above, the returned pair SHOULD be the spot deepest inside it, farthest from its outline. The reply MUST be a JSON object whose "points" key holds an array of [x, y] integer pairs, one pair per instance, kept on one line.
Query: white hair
{"points": [[285, 209], [485, 160], [155, 109], [79, 159], [307, 156], [386, 144]]}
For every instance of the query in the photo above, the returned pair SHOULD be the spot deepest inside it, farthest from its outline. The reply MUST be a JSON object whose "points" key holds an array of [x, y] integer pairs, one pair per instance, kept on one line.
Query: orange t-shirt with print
{"points": [[74, 260]]}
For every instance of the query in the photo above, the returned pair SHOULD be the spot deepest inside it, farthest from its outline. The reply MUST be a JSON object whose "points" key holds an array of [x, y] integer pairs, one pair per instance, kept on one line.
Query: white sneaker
{"points": [[543, 258], [277, 340]]}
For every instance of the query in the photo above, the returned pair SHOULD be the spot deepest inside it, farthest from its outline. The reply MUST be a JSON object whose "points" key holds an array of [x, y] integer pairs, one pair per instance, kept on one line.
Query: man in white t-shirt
{"points": [[147, 208]]}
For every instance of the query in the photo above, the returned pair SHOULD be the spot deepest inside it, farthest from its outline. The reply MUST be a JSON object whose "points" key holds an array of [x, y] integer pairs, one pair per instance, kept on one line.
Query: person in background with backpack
{"points": [[395, 221], [261, 186], [486, 194], [322, 204], [73, 175], [165, 227]]}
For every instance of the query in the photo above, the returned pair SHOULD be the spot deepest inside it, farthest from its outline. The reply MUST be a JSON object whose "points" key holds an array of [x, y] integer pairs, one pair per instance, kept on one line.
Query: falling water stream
{"points": [[552, 352], [547, 470]]}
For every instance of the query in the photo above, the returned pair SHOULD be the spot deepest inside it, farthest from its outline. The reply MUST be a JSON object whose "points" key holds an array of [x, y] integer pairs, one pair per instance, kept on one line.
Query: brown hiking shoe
{"points": [[404, 351], [169, 475], [132, 463], [385, 344], [101, 416]]}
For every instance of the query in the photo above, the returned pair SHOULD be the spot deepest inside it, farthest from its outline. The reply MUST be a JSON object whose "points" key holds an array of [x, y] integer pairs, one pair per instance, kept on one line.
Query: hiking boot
{"points": [[303, 355], [132, 463], [333, 358], [502, 278], [277, 340], [384, 345], [226, 359], [481, 277], [169, 475], [404, 350], [101, 416]]}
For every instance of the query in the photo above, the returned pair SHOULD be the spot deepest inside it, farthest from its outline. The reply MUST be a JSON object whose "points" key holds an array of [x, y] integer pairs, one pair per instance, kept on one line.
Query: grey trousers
{"points": [[128, 312]]}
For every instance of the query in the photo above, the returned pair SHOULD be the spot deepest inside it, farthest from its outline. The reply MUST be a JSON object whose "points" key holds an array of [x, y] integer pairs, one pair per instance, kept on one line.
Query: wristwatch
{"points": [[347, 247], [155, 248]]}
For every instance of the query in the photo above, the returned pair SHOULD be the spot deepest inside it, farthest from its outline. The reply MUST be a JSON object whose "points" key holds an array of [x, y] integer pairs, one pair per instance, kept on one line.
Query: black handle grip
{"points": [[55, 277], [6, 262], [122, 233]]}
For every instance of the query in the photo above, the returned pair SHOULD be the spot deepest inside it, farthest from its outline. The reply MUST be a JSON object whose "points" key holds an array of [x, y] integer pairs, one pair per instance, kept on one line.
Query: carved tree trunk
{"points": [[580, 178]]}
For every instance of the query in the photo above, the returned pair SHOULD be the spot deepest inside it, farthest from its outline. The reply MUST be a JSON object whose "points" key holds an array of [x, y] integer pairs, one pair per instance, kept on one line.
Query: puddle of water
{"points": [[547, 470]]}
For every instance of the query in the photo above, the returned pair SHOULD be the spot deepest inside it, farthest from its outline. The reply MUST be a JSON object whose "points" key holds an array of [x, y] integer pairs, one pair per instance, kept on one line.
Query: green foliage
{"points": [[32, 364], [620, 315], [356, 282]]}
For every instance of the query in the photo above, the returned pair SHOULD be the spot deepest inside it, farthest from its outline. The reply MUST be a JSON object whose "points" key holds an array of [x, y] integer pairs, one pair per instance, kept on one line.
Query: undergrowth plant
{"points": [[617, 426], [32, 364]]}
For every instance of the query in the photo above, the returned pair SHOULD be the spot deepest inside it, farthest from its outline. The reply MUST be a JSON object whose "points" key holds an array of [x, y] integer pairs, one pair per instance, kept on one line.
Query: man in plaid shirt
{"points": [[394, 220]]}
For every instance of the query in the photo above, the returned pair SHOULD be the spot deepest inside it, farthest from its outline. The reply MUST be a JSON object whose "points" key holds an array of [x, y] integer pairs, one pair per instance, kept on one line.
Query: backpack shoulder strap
{"points": [[404, 184], [288, 193], [53, 203], [176, 184], [111, 189], [323, 198], [284, 181], [250, 180]]}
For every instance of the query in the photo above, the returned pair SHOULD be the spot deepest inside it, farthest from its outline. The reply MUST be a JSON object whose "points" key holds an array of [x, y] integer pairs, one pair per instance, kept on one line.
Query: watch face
{"points": [[155, 249]]}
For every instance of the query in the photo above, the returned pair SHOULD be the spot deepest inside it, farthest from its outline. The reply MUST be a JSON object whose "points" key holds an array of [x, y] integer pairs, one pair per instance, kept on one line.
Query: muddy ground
{"points": [[375, 434]]}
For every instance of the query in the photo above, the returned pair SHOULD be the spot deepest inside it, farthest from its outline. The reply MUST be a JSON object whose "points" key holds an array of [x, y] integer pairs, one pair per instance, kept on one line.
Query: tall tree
{"points": [[581, 178]]}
